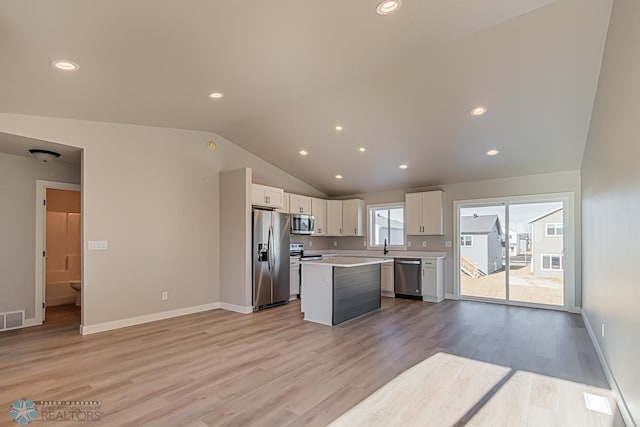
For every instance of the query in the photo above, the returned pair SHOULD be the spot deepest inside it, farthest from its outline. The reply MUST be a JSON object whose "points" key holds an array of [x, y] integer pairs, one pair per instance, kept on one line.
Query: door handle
{"points": [[409, 262]]}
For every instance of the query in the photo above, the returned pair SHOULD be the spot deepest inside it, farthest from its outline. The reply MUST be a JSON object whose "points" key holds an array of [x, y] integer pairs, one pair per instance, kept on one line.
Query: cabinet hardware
{"points": [[355, 231]]}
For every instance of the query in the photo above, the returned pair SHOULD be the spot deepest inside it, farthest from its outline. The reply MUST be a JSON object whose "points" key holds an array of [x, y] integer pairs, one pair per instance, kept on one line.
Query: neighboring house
{"points": [[524, 243], [382, 232], [547, 244], [514, 244], [481, 242]]}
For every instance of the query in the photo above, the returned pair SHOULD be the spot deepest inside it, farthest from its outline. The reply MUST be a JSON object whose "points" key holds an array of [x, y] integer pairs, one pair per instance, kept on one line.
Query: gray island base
{"points": [[341, 288]]}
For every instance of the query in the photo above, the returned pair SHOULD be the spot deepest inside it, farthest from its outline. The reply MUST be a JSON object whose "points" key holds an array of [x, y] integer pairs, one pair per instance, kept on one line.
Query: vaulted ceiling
{"points": [[401, 86]]}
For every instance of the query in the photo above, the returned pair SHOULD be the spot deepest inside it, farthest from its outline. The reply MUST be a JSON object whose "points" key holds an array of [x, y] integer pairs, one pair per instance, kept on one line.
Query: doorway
{"points": [[59, 252], [517, 250]]}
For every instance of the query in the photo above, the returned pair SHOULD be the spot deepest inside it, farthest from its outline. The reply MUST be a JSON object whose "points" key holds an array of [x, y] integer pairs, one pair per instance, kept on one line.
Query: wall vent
{"points": [[11, 320]]}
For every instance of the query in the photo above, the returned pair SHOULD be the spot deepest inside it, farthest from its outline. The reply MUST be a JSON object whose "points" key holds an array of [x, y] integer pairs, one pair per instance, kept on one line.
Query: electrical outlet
{"points": [[364, 243], [447, 243], [409, 244], [310, 243], [603, 329], [165, 295], [335, 243], [424, 243]]}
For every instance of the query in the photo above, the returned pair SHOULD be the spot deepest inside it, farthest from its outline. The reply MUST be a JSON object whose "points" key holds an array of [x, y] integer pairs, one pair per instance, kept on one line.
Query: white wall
{"points": [[611, 205], [18, 177], [167, 181], [559, 182]]}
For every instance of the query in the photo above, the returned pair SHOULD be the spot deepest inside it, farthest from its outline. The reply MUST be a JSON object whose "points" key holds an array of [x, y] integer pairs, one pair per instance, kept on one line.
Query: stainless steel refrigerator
{"points": [[271, 231]]}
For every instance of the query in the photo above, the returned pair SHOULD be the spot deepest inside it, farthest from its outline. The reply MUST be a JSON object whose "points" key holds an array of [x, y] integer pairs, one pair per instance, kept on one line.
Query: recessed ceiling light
{"points": [[212, 146], [216, 95], [303, 152], [362, 149], [338, 176], [478, 111], [403, 166], [492, 153], [385, 7], [65, 65], [338, 128]]}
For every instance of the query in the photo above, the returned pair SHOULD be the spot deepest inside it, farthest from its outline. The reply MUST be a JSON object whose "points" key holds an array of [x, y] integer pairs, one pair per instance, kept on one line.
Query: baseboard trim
{"points": [[132, 321], [236, 308], [432, 299], [388, 294], [451, 296], [31, 322], [622, 405]]}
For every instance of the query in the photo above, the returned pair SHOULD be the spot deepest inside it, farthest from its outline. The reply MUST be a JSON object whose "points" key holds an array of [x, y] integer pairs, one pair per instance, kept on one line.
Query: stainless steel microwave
{"points": [[301, 224]]}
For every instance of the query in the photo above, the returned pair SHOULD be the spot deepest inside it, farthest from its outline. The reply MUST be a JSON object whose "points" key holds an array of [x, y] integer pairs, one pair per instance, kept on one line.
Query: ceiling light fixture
{"points": [[65, 65], [216, 95], [44, 155], [478, 111], [304, 152], [403, 166], [212, 146], [338, 128], [492, 152], [338, 176], [362, 149], [386, 7]]}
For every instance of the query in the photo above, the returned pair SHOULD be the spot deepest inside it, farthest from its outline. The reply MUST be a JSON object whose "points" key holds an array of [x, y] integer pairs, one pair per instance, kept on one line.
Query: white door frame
{"points": [[41, 236], [569, 245]]}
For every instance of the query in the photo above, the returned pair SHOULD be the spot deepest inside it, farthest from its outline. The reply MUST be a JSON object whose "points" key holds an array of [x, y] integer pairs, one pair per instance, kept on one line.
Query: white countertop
{"points": [[343, 261], [375, 254]]}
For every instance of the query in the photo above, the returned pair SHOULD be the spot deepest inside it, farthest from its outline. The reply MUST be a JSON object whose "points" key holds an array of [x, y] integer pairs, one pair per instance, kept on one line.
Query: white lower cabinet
{"points": [[432, 279], [294, 279], [386, 279]]}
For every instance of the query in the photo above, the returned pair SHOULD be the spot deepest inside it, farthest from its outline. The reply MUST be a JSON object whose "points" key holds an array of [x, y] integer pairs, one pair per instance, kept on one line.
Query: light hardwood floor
{"points": [[410, 363]]}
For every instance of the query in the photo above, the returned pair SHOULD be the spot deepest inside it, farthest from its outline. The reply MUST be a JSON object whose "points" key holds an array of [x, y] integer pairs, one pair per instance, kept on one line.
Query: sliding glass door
{"points": [[513, 250], [536, 252], [482, 264]]}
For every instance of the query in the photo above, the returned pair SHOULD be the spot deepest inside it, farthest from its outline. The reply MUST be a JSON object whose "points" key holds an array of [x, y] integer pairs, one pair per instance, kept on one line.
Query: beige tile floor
{"points": [[448, 390], [524, 287]]}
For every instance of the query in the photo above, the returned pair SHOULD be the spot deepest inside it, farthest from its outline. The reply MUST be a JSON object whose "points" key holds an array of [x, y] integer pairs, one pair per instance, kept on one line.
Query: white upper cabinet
{"points": [[423, 213], [319, 212], [299, 204], [334, 217], [269, 197], [353, 217], [285, 204]]}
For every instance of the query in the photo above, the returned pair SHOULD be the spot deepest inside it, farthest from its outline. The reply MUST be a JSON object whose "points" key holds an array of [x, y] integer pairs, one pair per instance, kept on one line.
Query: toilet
{"points": [[77, 286]]}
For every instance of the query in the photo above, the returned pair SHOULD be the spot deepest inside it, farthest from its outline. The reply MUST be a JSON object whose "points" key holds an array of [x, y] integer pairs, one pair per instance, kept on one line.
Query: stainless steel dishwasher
{"points": [[406, 277]]}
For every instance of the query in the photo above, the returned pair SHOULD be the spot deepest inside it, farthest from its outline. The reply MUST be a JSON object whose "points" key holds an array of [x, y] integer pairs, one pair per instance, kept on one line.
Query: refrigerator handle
{"points": [[269, 250]]}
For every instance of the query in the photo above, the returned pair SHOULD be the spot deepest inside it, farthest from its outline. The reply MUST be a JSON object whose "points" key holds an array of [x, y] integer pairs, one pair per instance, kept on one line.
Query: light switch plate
{"points": [[335, 243], [98, 245], [447, 243], [424, 243], [409, 244]]}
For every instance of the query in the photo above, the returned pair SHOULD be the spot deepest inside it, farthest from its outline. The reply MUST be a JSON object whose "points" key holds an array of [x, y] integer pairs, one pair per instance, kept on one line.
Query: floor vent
{"points": [[11, 320]]}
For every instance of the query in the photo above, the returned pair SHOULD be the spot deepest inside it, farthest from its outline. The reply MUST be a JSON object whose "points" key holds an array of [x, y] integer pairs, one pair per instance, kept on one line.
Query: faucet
{"points": [[385, 251]]}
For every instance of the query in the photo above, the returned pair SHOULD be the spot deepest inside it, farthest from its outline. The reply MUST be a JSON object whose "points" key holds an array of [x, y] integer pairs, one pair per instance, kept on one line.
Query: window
{"points": [[386, 222], [551, 262], [554, 230], [466, 240]]}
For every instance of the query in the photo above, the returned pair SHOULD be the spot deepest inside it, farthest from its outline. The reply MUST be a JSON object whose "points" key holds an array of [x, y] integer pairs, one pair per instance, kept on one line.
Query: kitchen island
{"points": [[340, 288]]}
